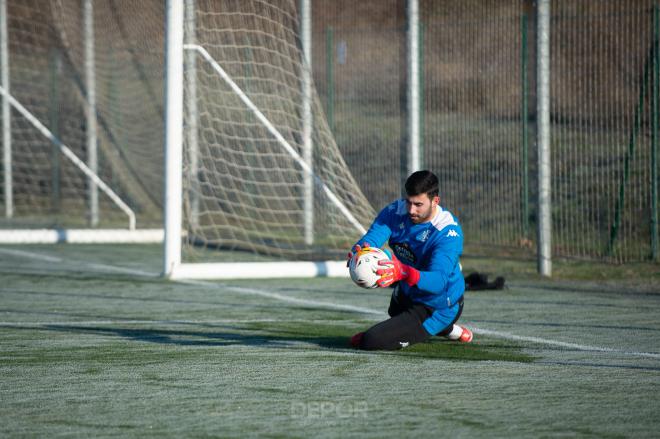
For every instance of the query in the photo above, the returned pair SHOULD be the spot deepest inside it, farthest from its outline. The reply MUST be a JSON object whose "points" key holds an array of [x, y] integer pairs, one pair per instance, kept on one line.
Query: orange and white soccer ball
{"points": [[363, 266]]}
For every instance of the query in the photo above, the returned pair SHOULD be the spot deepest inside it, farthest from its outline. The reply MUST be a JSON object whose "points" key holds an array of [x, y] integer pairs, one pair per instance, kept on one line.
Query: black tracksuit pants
{"points": [[404, 327]]}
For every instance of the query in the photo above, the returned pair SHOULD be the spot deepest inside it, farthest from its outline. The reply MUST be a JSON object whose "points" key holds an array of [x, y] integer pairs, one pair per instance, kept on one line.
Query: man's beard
{"points": [[418, 219]]}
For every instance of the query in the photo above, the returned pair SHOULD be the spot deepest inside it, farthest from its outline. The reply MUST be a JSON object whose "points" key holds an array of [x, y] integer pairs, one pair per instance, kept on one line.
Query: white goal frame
{"points": [[174, 268]]}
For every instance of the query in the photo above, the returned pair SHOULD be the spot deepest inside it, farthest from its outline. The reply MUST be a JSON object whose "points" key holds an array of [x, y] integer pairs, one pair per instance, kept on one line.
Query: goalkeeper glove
{"points": [[355, 250], [395, 271]]}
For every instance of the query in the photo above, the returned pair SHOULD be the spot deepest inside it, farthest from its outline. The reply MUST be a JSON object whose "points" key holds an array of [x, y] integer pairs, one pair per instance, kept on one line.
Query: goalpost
{"points": [[251, 164]]}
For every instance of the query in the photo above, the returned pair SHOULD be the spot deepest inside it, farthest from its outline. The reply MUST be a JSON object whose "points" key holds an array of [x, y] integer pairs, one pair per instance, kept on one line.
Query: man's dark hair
{"points": [[422, 182]]}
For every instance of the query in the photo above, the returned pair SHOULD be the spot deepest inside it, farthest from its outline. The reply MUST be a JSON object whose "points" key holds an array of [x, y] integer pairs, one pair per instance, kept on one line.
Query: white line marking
{"points": [[123, 270], [284, 298], [30, 255], [147, 322], [563, 344], [46, 258]]}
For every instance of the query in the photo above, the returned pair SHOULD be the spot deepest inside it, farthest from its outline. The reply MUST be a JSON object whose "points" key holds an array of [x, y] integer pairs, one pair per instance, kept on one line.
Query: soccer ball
{"points": [[363, 266]]}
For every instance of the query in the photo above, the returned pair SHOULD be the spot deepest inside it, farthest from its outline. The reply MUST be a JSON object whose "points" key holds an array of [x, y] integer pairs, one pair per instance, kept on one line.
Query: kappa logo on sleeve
{"points": [[452, 234]]}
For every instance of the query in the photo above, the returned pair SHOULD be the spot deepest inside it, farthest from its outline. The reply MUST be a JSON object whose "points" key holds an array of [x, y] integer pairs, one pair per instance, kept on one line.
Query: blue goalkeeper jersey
{"points": [[433, 248]]}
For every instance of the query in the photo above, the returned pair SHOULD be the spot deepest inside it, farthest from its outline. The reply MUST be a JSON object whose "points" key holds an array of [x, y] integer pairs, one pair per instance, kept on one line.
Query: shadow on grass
{"points": [[192, 338], [286, 335]]}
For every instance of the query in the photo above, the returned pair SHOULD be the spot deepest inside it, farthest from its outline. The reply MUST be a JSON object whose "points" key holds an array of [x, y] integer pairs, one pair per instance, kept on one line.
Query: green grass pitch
{"points": [[95, 345]]}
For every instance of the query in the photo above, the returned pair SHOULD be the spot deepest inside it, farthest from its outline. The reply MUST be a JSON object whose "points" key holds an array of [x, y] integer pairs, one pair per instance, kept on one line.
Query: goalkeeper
{"points": [[426, 242]]}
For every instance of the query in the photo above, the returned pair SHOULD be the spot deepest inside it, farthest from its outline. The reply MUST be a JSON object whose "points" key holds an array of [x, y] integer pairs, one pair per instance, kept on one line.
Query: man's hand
{"points": [[394, 271], [355, 250]]}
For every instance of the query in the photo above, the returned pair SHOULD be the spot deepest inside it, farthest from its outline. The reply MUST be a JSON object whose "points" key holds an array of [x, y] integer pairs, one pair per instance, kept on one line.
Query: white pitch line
{"points": [[262, 293], [284, 298], [563, 344], [123, 270], [46, 258], [308, 302], [144, 322], [30, 255], [330, 305]]}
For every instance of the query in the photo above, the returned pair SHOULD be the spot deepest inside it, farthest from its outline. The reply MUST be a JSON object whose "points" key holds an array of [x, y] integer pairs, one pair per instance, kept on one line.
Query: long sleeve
{"points": [[380, 230], [443, 262]]}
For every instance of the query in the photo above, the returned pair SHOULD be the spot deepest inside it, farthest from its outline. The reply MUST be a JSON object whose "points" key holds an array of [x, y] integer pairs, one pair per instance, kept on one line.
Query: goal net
{"points": [[82, 121], [263, 178]]}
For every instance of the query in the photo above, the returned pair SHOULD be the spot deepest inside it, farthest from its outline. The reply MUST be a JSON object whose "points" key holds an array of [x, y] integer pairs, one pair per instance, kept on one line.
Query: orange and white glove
{"points": [[355, 250], [394, 271]]}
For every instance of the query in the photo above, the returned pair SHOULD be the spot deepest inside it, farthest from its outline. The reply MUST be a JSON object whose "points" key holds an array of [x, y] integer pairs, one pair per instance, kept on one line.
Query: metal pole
{"points": [[192, 114], [90, 84], [543, 137], [173, 135], [413, 87], [654, 145], [308, 183], [6, 114]]}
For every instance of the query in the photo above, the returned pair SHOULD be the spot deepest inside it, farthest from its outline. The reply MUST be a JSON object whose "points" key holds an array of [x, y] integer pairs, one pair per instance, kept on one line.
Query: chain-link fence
{"points": [[478, 106], [479, 112]]}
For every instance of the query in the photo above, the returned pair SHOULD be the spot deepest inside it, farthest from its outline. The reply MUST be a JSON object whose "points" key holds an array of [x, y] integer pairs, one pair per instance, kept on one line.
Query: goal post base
{"points": [[259, 270], [81, 236]]}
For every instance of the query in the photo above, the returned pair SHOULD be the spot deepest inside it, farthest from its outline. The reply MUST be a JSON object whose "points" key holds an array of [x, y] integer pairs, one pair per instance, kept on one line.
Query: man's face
{"points": [[421, 208]]}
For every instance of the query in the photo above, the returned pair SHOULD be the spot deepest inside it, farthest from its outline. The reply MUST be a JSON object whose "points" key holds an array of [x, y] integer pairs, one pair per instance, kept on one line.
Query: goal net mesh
{"points": [[243, 189], [47, 76]]}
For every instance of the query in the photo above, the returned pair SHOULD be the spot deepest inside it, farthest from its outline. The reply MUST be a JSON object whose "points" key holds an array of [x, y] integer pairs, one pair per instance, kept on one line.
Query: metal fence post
{"points": [[543, 137], [654, 136]]}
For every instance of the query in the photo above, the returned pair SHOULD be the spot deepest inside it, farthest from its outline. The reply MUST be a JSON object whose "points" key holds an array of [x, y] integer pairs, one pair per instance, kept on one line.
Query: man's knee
{"points": [[372, 341], [395, 333]]}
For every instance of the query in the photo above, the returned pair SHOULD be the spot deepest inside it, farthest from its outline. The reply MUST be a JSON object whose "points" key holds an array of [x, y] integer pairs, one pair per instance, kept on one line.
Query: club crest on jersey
{"points": [[423, 236], [452, 233], [404, 252]]}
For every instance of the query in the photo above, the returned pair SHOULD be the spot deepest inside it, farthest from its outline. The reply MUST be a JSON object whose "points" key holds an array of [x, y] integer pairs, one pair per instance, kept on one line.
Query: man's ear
{"points": [[435, 201]]}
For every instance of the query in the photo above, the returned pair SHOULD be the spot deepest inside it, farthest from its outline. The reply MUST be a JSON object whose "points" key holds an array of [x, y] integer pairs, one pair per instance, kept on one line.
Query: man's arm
{"points": [[443, 262], [435, 280], [379, 231]]}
